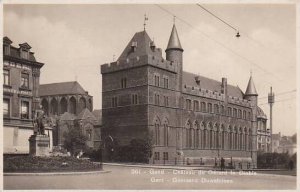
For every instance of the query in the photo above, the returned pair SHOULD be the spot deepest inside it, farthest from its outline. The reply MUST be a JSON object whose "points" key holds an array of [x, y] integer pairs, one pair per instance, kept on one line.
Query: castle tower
{"points": [[251, 95], [174, 54]]}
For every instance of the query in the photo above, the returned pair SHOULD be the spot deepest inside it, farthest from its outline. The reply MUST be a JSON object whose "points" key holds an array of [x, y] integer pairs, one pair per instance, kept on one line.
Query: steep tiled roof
{"points": [[209, 84], [98, 114], [260, 113], [63, 88], [174, 42], [251, 90], [142, 42], [86, 114]]}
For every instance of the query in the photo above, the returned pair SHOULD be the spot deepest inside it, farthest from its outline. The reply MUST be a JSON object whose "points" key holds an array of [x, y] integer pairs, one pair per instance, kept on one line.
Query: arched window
{"points": [[216, 109], [45, 106], [222, 110], [72, 103], [188, 129], [240, 139], [235, 138], [63, 105], [204, 135], [223, 137], [209, 108], [240, 114], [156, 132], [210, 137], [197, 135], [230, 137], [166, 133], [229, 111], [217, 135], [82, 104], [203, 107], [53, 107]]}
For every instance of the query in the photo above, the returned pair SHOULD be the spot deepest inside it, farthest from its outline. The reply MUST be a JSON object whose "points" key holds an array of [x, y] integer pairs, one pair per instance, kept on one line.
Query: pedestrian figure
{"points": [[222, 164]]}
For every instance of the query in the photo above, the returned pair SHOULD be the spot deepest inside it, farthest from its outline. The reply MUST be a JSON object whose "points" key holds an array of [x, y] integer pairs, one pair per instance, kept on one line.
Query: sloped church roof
{"points": [[63, 88]]}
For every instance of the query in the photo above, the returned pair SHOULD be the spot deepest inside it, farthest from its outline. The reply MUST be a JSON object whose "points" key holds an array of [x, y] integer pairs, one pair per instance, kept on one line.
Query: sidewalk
{"points": [[56, 173]]}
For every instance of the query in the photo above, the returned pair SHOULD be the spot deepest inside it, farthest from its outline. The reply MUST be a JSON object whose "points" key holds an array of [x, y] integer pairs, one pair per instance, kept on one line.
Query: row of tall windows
{"points": [[157, 100], [24, 79], [165, 81], [134, 100], [161, 134], [215, 108], [24, 108], [210, 139]]}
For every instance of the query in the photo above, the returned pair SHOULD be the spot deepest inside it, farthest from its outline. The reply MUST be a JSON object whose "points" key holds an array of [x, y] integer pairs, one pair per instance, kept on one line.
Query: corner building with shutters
{"points": [[191, 119]]}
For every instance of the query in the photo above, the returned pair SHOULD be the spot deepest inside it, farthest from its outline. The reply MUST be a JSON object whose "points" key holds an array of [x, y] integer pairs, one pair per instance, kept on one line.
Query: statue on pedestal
{"points": [[38, 121]]}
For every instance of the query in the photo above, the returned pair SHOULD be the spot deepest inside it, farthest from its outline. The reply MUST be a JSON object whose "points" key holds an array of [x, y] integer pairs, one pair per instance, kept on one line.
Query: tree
{"points": [[75, 140]]}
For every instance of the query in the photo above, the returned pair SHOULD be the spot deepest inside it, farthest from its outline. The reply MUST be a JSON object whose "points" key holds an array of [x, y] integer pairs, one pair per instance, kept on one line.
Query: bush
{"points": [[47, 164], [273, 160]]}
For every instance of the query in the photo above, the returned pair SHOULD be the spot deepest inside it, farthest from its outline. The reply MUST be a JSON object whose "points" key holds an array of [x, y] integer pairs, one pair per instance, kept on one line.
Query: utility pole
{"points": [[271, 100]]}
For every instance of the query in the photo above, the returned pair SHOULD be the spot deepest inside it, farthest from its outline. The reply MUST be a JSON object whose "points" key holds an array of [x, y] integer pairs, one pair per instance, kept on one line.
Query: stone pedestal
{"points": [[39, 145]]}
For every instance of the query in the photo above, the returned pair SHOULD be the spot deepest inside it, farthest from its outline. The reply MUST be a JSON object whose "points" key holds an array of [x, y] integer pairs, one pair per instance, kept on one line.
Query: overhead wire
{"points": [[282, 93], [219, 43]]}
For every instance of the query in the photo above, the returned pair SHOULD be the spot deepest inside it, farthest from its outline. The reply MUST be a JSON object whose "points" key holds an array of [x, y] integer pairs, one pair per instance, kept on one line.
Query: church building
{"points": [[191, 119]]}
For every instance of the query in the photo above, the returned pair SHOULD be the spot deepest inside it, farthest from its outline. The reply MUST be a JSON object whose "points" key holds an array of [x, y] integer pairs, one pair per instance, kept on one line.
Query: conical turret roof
{"points": [[251, 90], [174, 42]]}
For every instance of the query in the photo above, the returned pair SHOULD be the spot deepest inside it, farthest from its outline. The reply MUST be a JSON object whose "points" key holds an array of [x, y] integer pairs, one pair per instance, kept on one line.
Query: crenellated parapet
{"points": [[137, 62], [197, 91]]}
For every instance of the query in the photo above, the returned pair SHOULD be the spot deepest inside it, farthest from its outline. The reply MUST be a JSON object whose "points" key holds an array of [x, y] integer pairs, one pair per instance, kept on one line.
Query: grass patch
{"points": [[47, 164]]}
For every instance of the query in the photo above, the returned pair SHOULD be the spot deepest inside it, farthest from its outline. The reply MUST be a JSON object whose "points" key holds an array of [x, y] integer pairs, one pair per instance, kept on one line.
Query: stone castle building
{"points": [[191, 119], [21, 73]]}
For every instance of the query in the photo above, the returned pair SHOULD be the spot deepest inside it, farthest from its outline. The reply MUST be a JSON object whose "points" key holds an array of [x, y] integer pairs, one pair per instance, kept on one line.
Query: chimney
{"points": [[152, 45], [224, 86], [197, 79]]}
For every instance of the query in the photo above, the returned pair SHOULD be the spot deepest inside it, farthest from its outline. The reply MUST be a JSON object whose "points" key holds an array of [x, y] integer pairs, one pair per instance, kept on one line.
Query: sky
{"points": [[74, 40]]}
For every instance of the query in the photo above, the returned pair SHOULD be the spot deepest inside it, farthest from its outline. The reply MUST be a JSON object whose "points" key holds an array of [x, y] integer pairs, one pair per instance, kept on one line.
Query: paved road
{"points": [[147, 178]]}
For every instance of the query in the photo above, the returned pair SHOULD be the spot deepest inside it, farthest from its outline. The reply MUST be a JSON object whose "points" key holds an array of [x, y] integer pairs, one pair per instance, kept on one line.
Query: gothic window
{"points": [[249, 116], [82, 103], [209, 108], [54, 107], [63, 105], [203, 107], [166, 134], [166, 101], [234, 112], [244, 114], [188, 104], [156, 80], [6, 107], [216, 108], [123, 83], [157, 135], [72, 103], [166, 82], [240, 114], [24, 110], [6, 77], [25, 80], [196, 105], [229, 111], [156, 99], [134, 99], [188, 135]]}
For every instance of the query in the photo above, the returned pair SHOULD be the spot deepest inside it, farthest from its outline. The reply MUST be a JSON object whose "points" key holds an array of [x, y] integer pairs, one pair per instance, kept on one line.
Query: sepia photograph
{"points": [[189, 95]]}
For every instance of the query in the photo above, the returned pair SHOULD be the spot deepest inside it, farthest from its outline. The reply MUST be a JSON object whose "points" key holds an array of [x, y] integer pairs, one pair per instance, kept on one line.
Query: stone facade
{"points": [[21, 73], [191, 119], [69, 105]]}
